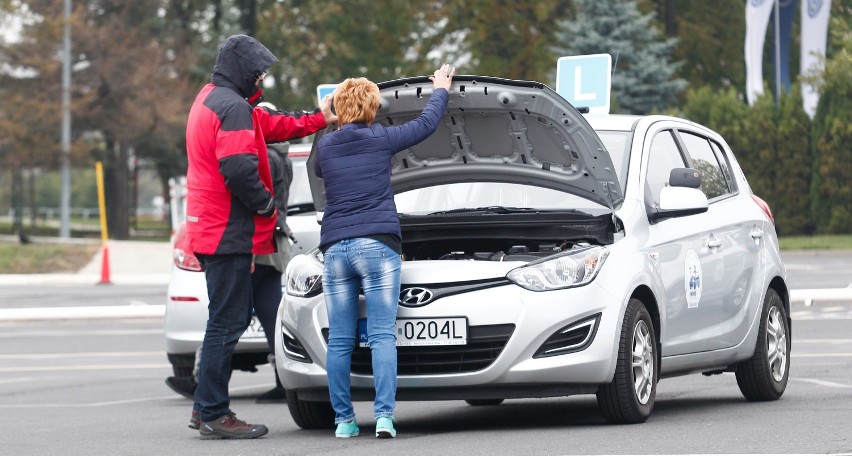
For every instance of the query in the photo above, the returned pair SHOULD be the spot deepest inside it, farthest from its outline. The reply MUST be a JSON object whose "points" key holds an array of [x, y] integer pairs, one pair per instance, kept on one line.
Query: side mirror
{"points": [[679, 202], [685, 177], [319, 217]]}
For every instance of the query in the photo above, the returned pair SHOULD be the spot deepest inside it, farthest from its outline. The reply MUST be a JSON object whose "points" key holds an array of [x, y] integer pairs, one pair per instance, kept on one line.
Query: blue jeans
{"points": [[229, 288], [350, 265]]}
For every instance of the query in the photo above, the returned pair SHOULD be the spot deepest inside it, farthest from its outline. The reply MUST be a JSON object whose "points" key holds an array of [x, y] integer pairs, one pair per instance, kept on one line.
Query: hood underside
{"points": [[495, 130]]}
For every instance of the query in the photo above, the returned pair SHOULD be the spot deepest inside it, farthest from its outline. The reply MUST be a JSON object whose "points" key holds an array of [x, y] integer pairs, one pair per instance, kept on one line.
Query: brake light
{"points": [[182, 253], [763, 206]]}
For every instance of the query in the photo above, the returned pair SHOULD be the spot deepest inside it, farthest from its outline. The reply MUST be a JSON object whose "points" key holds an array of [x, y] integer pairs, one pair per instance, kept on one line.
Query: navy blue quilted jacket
{"points": [[355, 164]]}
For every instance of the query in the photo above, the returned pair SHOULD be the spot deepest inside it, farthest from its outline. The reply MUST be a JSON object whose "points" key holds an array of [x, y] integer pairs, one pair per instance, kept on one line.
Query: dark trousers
{"points": [[229, 288], [266, 283]]}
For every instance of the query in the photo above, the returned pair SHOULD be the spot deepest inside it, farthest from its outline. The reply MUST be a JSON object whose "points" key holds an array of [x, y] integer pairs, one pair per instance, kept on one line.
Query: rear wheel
{"points": [[478, 402], [764, 376], [629, 398], [310, 414]]}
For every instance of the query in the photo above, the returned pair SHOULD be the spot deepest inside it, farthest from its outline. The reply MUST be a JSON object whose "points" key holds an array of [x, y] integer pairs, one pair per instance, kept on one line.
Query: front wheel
{"points": [[629, 398], [310, 414], [764, 376]]}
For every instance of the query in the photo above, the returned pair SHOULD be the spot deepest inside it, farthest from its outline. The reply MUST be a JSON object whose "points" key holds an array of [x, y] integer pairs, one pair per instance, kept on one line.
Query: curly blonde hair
{"points": [[356, 100]]}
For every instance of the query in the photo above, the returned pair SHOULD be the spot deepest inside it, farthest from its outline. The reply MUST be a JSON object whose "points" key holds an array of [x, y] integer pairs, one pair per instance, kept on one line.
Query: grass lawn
{"points": [[35, 258], [823, 242]]}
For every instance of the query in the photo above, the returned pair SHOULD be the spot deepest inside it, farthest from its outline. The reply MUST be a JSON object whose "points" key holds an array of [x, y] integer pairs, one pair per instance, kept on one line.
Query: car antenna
{"points": [[614, 65]]}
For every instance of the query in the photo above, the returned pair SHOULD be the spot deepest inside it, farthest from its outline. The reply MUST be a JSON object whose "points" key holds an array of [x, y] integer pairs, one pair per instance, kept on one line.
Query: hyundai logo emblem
{"points": [[415, 296]]}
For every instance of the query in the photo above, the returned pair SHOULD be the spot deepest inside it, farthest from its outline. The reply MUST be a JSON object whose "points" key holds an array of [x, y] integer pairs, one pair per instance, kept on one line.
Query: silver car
{"points": [[186, 305], [550, 253]]}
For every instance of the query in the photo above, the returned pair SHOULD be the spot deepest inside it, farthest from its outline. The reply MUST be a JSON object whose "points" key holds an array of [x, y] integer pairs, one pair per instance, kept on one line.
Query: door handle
{"points": [[714, 243], [756, 234]]}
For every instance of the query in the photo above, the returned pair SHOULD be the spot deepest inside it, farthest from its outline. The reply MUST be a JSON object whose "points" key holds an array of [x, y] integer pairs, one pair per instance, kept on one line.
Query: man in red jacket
{"points": [[231, 211]]}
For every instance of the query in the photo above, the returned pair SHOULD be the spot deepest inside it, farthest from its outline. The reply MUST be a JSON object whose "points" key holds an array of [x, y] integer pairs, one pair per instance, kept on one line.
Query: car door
{"points": [[676, 248], [731, 262]]}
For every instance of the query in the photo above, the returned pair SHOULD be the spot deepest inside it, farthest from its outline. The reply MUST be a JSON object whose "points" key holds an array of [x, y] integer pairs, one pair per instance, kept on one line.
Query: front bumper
{"points": [[514, 372]]}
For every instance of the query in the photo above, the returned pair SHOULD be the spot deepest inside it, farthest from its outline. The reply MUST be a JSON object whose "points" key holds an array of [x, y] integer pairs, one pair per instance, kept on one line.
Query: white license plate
{"points": [[414, 332], [254, 330]]}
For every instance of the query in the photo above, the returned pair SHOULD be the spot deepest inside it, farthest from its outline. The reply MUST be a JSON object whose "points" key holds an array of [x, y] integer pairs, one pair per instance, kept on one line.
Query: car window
{"points": [[300, 187], [664, 156], [725, 164], [713, 181], [483, 194], [617, 143]]}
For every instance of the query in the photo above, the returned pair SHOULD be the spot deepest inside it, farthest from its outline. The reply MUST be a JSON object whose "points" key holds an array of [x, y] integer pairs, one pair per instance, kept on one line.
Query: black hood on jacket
{"points": [[241, 59]]}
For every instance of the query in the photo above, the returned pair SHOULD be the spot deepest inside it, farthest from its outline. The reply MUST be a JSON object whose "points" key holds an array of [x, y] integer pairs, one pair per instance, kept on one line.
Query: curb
{"points": [[809, 296], [83, 279]]}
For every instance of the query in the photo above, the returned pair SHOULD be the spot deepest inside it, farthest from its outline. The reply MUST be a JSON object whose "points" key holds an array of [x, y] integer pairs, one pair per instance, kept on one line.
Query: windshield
{"points": [[471, 195], [617, 143]]}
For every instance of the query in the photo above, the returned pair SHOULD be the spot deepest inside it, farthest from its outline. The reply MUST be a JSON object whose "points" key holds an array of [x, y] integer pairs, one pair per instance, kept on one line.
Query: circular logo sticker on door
{"points": [[692, 279]]}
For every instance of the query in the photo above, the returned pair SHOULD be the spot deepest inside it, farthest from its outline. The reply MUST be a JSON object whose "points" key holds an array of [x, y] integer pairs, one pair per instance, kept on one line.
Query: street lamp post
{"points": [[65, 191]]}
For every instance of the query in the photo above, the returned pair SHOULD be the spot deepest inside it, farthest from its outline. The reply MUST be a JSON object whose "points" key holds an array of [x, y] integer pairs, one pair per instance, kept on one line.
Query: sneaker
{"points": [[347, 429], [384, 427], [229, 427], [195, 420], [185, 386], [277, 395]]}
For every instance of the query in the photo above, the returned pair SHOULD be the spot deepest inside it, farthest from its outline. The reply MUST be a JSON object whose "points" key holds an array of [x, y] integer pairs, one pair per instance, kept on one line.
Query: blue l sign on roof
{"points": [[584, 80], [323, 90]]}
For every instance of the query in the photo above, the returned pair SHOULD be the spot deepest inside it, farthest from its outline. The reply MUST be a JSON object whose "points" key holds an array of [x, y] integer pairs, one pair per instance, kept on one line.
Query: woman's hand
{"points": [[325, 107], [443, 77]]}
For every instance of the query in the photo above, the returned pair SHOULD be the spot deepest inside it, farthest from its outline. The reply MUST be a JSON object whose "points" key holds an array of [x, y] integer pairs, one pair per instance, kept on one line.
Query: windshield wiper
{"points": [[508, 210], [489, 210]]}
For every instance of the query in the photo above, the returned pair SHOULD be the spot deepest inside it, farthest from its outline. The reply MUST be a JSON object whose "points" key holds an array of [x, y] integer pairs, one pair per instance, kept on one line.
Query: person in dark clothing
{"points": [[361, 241], [266, 278], [231, 211]]}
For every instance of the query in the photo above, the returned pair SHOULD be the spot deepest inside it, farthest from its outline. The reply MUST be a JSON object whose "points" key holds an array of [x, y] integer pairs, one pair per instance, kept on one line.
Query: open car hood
{"points": [[494, 130]]}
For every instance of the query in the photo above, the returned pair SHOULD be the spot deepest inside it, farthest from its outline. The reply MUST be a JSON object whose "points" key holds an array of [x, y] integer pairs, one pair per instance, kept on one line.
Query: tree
{"points": [[791, 200], [509, 39], [643, 78], [710, 41], [831, 192]]}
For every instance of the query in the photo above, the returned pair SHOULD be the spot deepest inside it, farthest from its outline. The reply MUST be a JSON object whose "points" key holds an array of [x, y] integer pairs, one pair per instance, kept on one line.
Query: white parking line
{"points": [[77, 333], [822, 382], [84, 367], [120, 402], [79, 355]]}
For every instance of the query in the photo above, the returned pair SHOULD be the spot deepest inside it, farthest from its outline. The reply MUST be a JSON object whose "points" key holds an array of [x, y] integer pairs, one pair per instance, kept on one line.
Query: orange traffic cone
{"points": [[105, 266]]}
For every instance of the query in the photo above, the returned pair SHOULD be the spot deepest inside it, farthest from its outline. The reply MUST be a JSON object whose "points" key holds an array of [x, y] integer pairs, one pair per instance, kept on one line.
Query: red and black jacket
{"points": [[228, 178]]}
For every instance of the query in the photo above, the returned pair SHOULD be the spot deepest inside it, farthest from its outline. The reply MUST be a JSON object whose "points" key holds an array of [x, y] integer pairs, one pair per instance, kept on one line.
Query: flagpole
{"points": [[777, 15]]}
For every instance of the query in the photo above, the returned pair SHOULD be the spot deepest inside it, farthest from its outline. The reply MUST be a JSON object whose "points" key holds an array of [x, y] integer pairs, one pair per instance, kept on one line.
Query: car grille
{"points": [[484, 344]]}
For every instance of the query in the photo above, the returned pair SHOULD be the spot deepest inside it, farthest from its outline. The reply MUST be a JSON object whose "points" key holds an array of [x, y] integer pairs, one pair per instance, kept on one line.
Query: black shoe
{"points": [[229, 427], [277, 395], [185, 386]]}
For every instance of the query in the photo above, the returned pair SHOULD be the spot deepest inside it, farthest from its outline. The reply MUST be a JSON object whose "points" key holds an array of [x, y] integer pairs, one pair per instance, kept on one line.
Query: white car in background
{"points": [[549, 253], [186, 305]]}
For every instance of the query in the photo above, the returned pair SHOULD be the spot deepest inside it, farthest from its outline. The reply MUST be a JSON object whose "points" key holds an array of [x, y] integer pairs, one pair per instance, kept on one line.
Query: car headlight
{"points": [[304, 274], [573, 268]]}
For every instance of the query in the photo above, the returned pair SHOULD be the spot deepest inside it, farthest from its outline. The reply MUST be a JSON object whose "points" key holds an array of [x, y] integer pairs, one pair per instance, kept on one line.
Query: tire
{"points": [[764, 376], [484, 402], [623, 401], [310, 414], [182, 365], [182, 371]]}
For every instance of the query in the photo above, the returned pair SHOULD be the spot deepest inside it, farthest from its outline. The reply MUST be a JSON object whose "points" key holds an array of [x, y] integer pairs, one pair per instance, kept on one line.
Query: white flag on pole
{"points": [[757, 19], [815, 15]]}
